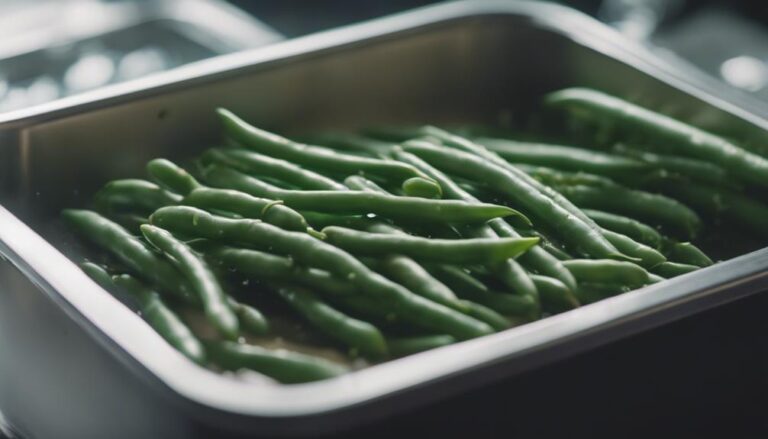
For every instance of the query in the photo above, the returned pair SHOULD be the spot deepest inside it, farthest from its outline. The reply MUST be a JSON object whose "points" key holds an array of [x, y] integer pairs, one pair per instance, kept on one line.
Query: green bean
{"points": [[663, 131], [133, 195], [655, 278], [358, 335], [199, 276], [673, 269], [423, 188], [580, 235], [454, 141], [554, 177], [403, 346], [487, 315], [172, 177], [250, 319], [161, 318], [358, 183], [130, 250], [696, 169], [687, 253], [593, 292], [554, 295], [648, 256], [626, 226], [535, 259], [251, 162], [353, 143], [311, 251], [566, 158], [737, 208], [467, 287], [452, 251], [359, 203], [320, 220], [607, 271], [272, 268], [413, 276], [637, 204], [312, 156], [285, 366], [98, 274], [248, 206]]}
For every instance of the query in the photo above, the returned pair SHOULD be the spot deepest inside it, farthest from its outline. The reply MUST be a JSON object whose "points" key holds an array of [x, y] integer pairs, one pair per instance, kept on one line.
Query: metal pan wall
{"points": [[464, 61]]}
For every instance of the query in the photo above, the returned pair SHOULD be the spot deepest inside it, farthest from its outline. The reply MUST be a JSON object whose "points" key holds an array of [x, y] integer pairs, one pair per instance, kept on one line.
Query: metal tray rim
{"points": [[60, 278]]}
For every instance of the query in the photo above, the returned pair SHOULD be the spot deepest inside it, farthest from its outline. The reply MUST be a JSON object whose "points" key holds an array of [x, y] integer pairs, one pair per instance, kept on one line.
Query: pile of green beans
{"points": [[293, 260]]}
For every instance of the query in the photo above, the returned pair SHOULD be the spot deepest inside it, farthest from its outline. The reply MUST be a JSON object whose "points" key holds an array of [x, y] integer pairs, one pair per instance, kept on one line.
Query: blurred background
{"points": [[50, 49]]}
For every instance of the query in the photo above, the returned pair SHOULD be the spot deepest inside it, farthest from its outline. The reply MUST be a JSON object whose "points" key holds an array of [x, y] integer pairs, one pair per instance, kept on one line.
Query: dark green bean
{"points": [[687, 253], [400, 347], [161, 318], [285, 366], [452, 251], [360, 336], [359, 203], [626, 226], [646, 206], [172, 177], [353, 143], [648, 256], [580, 235], [737, 208], [251, 319], [413, 276], [133, 195], [554, 295], [312, 156], [314, 252], [467, 287], [663, 131], [130, 250], [566, 158], [248, 206], [696, 169], [199, 276], [251, 162], [673, 269], [535, 259], [98, 274], [607, 271], [461, 143], [487, 315]]}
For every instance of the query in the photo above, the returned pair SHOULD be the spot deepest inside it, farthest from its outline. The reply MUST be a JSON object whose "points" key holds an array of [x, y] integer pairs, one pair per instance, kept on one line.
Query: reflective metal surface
{"points": [[458, 62]]}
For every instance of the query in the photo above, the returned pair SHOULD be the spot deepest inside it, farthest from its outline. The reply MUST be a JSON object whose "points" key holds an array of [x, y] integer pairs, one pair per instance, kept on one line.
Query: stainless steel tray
{"points": [[65, 339]]}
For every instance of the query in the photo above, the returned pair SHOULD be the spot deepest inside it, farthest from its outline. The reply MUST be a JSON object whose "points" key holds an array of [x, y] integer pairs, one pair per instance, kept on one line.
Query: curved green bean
{"points": [[662, 131], [171, 176], [636, 230], [648, 256], [161, 318], [562, 157], [402, 346], [581, 236], [607, 271], [285, 366], [133, 195], [199, 276], [248, 206], [358, 335], [687, 253], [536, 259], [311, 251], [646, 206], [421, 187], [554, 295], [673, 269], [312, 156], [251, 162]]}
